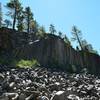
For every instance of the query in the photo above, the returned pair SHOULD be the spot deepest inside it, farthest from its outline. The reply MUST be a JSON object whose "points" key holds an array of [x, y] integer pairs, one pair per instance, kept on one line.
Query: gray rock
{"points": [[4, 98], [23, 84], [55, 86], [42, 98], [31, 97], [12, 96], [22, 96], [60, 95], [11, 85], [1, 77], [73, 97]]}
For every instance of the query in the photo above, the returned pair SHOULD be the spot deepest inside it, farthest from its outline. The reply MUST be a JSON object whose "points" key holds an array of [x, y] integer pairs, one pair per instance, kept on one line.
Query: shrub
{"points": [[27, 63]]}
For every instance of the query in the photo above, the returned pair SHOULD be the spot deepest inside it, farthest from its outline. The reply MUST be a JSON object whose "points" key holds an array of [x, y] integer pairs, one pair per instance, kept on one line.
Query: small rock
{"points": [[54, 87], [1, 77], [60, 95], [22, 96], [31, 97], [4, 97], [42, 98], [13, 96], [11, 85], [90, 87], [73, 97]]}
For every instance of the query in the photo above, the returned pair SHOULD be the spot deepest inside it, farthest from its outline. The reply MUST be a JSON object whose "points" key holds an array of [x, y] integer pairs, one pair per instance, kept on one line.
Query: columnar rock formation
{"points": [[49, 51]]}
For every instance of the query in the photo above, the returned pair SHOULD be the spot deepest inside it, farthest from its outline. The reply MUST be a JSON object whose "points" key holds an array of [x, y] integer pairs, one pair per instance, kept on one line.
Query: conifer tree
{"points": [[20, 23], [28, 18], [41, 31], [14, 7], [67, 40], [77, 36], [60, 34], [52, 29]]}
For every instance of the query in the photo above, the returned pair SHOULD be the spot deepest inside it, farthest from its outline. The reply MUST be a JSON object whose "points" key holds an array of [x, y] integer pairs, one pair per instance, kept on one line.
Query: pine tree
{"points": [[67, 40], [41, 31], [60, 34], [52, 29], [77, 36], [34, 27], [14, 7], [88, 47], [20, 23], [28, 17]]}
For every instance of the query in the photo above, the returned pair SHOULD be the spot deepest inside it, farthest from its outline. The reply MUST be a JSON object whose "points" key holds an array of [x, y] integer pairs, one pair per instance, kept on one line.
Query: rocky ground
{"points": [[47, 84]]}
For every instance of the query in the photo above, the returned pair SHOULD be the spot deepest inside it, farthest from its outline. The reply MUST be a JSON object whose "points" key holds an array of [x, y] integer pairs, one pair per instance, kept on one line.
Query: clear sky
{"points": [[85, 14]]}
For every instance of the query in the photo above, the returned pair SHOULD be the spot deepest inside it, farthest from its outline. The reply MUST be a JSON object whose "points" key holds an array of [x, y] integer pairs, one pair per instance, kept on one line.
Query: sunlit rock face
{"points": [[49, 51], [52, 51]]}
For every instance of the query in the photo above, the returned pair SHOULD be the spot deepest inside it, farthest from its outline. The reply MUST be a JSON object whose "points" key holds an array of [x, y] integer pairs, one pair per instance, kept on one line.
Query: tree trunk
{"points": [[14, 21], [15, 14], [83, 56], [79, 42], [28, 27]]}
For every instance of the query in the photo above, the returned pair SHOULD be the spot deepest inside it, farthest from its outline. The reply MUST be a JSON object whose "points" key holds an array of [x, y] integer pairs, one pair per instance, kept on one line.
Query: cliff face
{"points": [[51, 51], [54, 52]]}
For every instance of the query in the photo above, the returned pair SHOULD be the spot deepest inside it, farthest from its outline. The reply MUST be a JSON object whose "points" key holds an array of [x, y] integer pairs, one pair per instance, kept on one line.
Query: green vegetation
{"points": [[15, 8], [77, 36], [83, 44], [52, 29], [88, 47], [41, 32], [28, 18], [27, 63], [67, 41], [21, 63]]}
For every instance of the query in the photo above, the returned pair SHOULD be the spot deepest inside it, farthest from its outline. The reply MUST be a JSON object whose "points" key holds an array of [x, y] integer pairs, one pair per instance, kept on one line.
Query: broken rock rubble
{"points": [[46, 84]]}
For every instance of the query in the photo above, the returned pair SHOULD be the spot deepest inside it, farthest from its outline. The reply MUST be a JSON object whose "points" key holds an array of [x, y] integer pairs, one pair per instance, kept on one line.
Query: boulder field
{"points": [[47, 84]]}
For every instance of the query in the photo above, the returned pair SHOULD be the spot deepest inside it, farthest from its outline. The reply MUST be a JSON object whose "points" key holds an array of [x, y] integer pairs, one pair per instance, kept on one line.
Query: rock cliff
{"points": [[49, 51]]}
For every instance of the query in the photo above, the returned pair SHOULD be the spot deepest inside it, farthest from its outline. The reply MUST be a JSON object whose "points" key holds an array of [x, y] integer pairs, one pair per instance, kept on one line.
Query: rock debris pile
{"points": [[47, 84]]}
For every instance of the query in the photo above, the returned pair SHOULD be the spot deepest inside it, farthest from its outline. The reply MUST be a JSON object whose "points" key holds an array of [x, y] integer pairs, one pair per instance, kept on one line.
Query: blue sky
{"points": [[85, 14]]}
